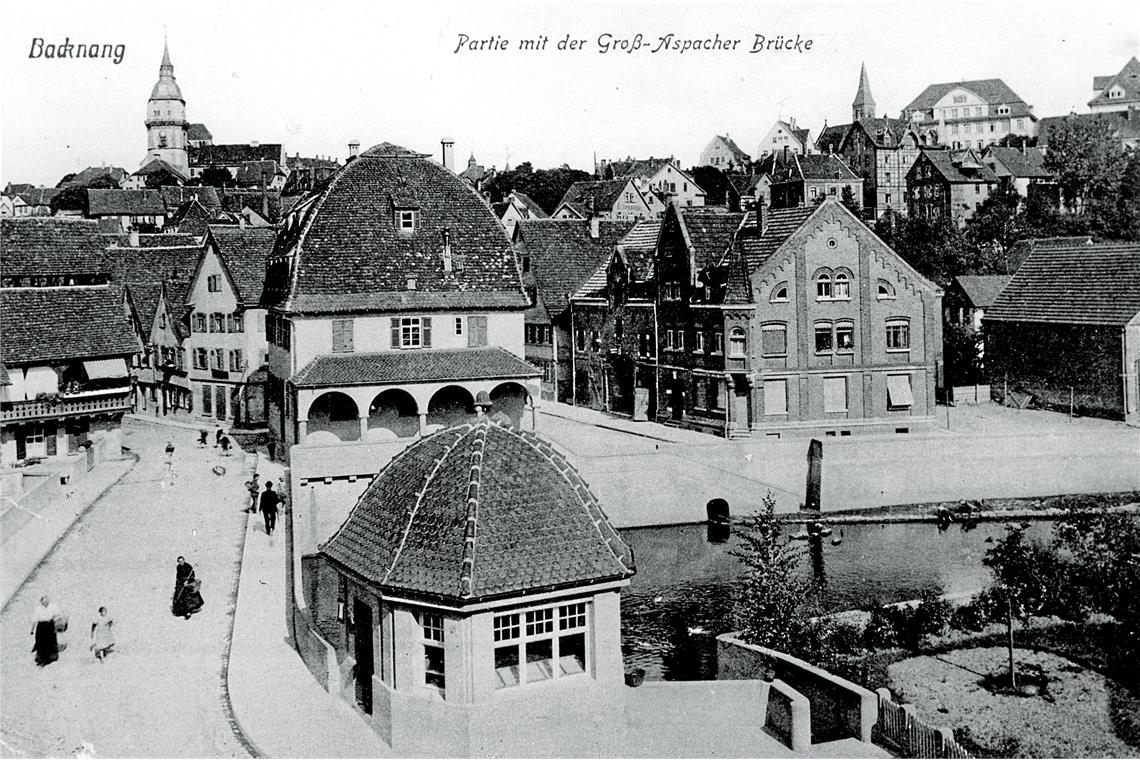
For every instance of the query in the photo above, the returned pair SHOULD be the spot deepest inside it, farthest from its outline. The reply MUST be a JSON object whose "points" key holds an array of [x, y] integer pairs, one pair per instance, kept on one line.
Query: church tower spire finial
{"points": [[864, 105]]}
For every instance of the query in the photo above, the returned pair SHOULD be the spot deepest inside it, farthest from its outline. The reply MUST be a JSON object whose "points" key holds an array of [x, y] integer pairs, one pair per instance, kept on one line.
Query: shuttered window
{"points": [[411, 332], [476, 331], [835, 394], [342, 335], [775, 397], [774, 340]]}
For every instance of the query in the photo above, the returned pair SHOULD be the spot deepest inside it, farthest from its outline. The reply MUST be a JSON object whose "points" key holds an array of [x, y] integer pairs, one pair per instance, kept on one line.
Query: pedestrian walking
{"points": [[102, 637], [269, 503], [225, 445], [252, 486], [46, 646], [272, 447], [203, 435], [187, 600], [218, 437]]}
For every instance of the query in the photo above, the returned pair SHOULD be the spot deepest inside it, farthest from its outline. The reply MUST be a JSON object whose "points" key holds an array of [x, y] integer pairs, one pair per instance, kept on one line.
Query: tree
{"points": [[74, 197], [772, 597], [962, 354], [215, 176], [1127, 221], [157, 179], [936, 247], [997, 224], [544, 186], [1086, 159], [847, 198], [713, 181], [67, 178]]}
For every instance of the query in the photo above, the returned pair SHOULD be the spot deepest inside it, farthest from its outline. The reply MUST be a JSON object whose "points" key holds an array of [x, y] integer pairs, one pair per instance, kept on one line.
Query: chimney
{"points": [[253, 143], [593, 219], [241, 221], [448, 147], [134, 238], [446, 250], [353, 149]]}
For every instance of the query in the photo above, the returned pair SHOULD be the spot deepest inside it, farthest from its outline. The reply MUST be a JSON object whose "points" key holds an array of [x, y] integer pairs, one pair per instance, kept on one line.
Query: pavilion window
{"points": [[540, 644], [435, 675]]}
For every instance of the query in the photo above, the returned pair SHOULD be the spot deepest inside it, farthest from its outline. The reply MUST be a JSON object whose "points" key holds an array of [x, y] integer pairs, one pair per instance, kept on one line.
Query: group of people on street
{"points": [[50, 623], [267, 501], [221, 440]]}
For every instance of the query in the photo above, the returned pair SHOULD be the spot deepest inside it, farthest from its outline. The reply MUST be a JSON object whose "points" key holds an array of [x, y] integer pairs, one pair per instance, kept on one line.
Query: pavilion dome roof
{"points": [[479, 511]]}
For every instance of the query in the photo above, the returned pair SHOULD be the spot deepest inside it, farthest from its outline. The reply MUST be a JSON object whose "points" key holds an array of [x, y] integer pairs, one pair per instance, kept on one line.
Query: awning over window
{"points": [[97, 369], [898, 391]]}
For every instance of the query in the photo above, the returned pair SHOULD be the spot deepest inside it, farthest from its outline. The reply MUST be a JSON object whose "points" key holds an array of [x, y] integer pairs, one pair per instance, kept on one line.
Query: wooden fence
{"points": [[902, 729]]}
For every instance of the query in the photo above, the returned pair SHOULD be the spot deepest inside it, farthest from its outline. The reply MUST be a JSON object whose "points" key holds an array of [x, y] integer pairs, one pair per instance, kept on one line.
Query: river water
{"points": [[685, 582]]}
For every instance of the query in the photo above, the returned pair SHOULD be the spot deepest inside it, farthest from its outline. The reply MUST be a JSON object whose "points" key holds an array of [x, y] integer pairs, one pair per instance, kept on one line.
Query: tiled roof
{"points": [[198, 131], [1078, 284], [39, 196], [51, 245], [778, 225], [245, 253], [605, 193], [982, 290], [92, 173], [884, 132], [640, 168], [305, 162], [830, 138], [252, 172], [191, 218], [533, 208], [816, 166], [479, 511], [949, 165], [563, 255], [233, 155], [125, 203], [709, 233], [4, 375], [348, 255], [175, 195], [144, 270], [991, 91], [1125, 124], [57, 324], [421, 365], [156, 165], [733, 148], [638, 246], [1129, 81], [1030, 163]]}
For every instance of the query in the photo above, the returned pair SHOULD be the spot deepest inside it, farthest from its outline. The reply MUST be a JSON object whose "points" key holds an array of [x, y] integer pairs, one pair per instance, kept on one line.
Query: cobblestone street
{"points": [[160, 692]]}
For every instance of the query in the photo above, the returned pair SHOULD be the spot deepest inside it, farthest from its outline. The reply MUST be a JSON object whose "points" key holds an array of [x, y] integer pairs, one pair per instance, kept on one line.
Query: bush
{"points": [[970, 617], [881, 631], [847, 638], [933, 613]]}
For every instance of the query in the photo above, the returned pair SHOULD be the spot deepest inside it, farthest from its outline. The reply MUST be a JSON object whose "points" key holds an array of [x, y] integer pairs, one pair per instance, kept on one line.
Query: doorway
{"points": [[362, 637]]}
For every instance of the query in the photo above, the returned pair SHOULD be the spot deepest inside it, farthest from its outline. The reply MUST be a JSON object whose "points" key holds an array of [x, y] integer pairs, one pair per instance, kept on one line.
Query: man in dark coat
{"points": [[269, 502]]}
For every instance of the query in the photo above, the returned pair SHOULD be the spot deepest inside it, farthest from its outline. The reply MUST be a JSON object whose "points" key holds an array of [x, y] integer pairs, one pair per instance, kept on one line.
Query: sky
{"points": [[317, 75]]}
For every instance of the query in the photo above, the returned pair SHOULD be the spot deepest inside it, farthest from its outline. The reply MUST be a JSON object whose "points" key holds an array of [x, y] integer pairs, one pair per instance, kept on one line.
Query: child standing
{"points": [[102, 637]]}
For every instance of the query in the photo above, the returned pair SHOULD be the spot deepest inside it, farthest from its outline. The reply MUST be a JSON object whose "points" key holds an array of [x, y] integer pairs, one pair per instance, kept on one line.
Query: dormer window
{"points": [[1115, 93], [406, 221]]}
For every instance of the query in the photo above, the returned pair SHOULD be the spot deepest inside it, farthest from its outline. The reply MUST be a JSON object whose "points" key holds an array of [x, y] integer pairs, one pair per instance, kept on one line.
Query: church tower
{"points": [[864, 105], [166, 125]]}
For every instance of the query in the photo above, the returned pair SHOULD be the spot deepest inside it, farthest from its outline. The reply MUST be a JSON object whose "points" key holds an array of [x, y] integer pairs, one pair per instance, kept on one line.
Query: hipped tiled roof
{"points": [[1029, 163], [124, 203], [563, 255], [52, 246], [233, 155], [43, 325], [991, 91], [478, 512], [347, 254], [949, 165], [605, 194], [412, 366], [1073, 284], [1128, 79]]}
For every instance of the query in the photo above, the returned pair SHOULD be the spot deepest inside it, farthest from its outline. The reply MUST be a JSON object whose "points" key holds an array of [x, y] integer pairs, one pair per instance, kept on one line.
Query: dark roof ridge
{"points": [[474, 483]]}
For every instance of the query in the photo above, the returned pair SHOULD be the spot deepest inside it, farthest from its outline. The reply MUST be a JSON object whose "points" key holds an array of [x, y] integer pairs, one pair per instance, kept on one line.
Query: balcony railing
{"points": [[64, 407]]}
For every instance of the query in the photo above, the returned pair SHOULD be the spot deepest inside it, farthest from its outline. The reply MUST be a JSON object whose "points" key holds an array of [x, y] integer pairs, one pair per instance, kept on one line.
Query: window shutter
{"points": [[425, 331], [395, 323], [473, 332]]}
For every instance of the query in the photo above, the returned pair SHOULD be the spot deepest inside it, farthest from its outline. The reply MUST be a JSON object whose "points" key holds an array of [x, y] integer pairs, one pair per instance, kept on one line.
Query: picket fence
{"points": [[900, 727]]}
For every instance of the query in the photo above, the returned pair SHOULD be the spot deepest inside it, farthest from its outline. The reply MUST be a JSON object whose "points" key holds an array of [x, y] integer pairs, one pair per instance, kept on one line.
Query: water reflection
{"points": [[682, 595]]}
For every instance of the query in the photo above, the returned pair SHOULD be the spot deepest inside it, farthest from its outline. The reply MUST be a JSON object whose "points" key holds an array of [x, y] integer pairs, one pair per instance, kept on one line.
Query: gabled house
{"points": [[556, 257], [948, 184], [476, 174], [66, 343], [394, 299], [263, 173], [660, 179], [1124, 126], [226, 345], [518, 207], [785, 135], [1066, 330], [232, 156], [969, 295], [974, 114], [175, 196], [723, 153], [881, 151], [141, 210], [805, 180], [614, 325], [1119, 92], [155, 167], [832, 331], [615, 199], [831, 138], [1021, 169]]}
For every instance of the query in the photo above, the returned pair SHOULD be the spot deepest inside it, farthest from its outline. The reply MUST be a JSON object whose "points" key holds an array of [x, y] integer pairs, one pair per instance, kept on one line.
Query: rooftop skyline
{"points": [[317, 77]]}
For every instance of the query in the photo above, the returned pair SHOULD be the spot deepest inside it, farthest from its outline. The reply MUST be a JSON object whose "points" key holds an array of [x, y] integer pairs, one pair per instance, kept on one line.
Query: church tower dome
{"points": [[166, 125]]}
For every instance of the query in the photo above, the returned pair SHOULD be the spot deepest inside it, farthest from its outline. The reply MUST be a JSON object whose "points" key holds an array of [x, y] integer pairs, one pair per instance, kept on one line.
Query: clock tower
{"points": [[166, 125]]}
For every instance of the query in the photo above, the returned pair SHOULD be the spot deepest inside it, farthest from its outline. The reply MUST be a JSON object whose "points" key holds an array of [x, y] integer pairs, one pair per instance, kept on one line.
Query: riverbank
{"points": [[981, 510]]}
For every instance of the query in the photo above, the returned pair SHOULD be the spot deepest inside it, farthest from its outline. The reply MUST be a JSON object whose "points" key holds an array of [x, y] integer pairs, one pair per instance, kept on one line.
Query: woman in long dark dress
{"points": [[47, 643], [186, 599]]}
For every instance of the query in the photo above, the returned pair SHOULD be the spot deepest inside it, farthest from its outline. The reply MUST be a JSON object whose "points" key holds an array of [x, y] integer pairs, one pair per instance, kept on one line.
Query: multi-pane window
{"points": [[236, 363], [580, 338], [214, 283], [199, 322], [774, 340], [540, 644], [200, 360], [823, 338], [823, 287], [842, 287], [718, 342], [898, 335], [219, 359], [737, 342], [699, 346], [238, 322], [411, 332], [845, 336], [406, 220], [435, 674], [645, 344], [459, 325]]}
